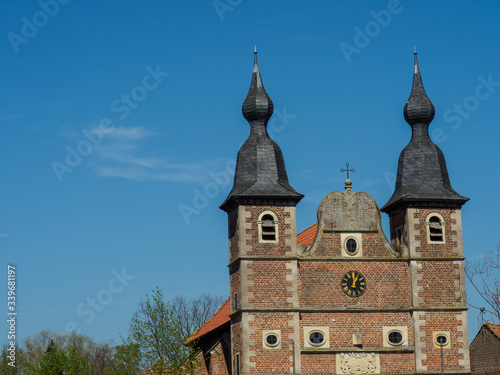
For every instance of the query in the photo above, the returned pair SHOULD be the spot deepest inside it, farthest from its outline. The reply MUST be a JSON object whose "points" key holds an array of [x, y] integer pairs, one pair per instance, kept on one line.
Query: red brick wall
{"points": [[318, 363], [268, 249], [343, 325], [330, 245], [442, 321], [440, 284], [269, 284], [276, 361], [396, 363], [236, 339], [388, 284], [218, 364], [450, 248]]}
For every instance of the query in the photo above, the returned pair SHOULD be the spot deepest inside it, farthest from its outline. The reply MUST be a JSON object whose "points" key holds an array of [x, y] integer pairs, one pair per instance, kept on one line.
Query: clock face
{"points": [[353, 284]]}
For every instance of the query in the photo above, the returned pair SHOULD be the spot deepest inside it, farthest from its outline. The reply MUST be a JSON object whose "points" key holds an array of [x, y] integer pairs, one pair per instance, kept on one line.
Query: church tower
{"points": [[262, 246], [425, 222]]}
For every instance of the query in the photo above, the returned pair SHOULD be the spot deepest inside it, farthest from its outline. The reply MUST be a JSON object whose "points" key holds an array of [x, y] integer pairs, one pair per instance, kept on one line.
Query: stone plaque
{"points": [[358, 363]]}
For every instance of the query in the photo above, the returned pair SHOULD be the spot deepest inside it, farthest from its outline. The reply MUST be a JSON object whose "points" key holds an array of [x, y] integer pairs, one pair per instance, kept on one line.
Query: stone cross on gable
{"points": [[347, 170]]}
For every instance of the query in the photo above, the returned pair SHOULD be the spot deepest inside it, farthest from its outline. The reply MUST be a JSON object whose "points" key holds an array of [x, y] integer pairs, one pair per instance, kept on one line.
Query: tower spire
{"points": [[419, 108], [422, 172], [260, 173], [258, 106]]}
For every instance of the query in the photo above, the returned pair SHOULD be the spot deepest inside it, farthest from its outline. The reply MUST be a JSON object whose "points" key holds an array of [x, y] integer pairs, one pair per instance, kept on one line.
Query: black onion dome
{"points": [[419, 108], [257, 106], [422, 173], [260, 173]]}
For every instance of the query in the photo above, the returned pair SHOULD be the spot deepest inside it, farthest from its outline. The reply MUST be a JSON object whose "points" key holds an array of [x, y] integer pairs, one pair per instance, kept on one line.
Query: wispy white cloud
{"points": [[131, 133], [120, 153], [144, 169], [121, 156]]}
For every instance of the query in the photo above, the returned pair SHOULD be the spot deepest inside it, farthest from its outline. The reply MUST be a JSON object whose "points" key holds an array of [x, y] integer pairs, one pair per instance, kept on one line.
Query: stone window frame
{"points": [[325, 331], [266, 333], [436, 334], [276, 227], [428, 228], [237, 363], [344, 237], [403, 330]]}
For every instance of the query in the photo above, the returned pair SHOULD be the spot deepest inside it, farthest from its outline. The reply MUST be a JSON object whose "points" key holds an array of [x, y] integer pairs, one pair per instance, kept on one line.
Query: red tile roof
{"points": [[222, 315], [307, 235], [495, 328]]}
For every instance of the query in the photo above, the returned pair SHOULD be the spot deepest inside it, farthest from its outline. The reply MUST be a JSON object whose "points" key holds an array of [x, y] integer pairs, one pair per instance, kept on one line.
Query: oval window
{"points": [[316, 338], [441, 340], [272, 339], [351, 246], [395, 338]]}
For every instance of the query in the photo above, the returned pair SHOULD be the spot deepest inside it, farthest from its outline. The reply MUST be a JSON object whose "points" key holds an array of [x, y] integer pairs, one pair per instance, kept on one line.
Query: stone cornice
{"points": [[344, 259], [343, 310]]}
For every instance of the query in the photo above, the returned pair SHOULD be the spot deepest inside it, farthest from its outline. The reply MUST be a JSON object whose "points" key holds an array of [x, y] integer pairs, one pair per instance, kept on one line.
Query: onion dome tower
{"points": [[262, 236], [260, 168], [426, 221]]}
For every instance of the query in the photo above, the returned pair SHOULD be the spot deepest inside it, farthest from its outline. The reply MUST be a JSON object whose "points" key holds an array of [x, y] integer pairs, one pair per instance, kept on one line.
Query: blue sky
{"points": [[121, 121]]}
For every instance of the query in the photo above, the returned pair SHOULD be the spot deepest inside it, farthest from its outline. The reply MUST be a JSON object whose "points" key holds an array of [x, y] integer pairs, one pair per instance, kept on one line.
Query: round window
{"points": [[351, 246], [441, 340], [395, 338], [272, 339], [316, 338]]}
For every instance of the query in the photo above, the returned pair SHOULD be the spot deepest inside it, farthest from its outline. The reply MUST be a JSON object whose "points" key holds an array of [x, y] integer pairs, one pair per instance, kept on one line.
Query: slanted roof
{"points": [[307, 235], [494, 328], [221, 316], [217, 320], [491, 329]]}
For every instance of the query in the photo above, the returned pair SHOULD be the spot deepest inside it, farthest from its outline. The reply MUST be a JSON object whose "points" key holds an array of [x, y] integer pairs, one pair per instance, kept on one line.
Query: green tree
{"points": [[126, 360], [160, 329], [98, 355], [59, 362], [157, 330]]}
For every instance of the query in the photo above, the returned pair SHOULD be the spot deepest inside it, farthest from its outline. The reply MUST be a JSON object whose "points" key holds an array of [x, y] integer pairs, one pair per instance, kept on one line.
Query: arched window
{"points": [[435, 228], [268, 227]]}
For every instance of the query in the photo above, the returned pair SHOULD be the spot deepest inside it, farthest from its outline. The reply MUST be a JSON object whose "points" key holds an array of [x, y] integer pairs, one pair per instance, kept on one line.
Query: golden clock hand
{"points": [[354, 279]]}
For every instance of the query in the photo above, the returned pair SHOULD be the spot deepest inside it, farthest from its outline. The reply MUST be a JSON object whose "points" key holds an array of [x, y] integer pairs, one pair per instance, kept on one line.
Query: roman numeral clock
{"points": [[353, 284]]}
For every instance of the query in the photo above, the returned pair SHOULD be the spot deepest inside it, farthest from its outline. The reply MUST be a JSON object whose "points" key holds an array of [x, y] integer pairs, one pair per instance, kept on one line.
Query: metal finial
{"points": [[347, 170], [415, 50], [255, 50]]}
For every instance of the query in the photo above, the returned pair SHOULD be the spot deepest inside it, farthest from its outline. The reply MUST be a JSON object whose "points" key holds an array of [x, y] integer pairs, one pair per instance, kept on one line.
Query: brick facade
{"points": [[349, 301], [293, 291]]}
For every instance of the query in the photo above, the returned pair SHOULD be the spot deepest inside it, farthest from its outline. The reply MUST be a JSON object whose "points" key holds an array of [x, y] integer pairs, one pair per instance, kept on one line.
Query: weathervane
{"points": [[347, 170]]}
